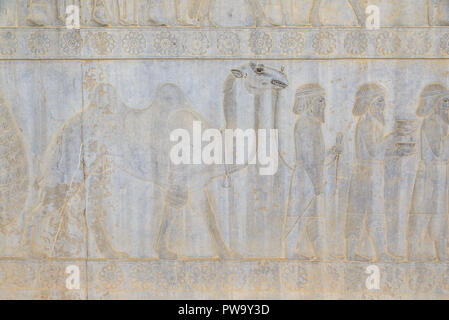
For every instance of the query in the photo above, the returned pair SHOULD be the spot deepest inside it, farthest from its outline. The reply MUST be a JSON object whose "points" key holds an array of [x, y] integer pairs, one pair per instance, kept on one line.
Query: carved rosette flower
{"points": [[3, 273], [293, 276], [8, 43], [134, 43], [143, 277], [419, 43], [387, 43], [111, 276], [169, 278], [392, 278], [22, 275], [260, 42], [332, 276], [265, 276], [444, 280], [196, 44], [235, 276], [72, 43], [201, 276], [324, 43], [167, 44], [354, 277], [51, 276], [228, 43], [444, 43], [292, 43], [421, 279], [38, 43], [356, 43], [103, 43]]}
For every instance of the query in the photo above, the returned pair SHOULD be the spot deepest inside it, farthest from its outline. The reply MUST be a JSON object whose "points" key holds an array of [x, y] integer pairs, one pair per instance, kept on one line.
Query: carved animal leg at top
{"points": [[37, 12], [199, 10], [100, 13], [315, 12], [259, 13], [127, 12], [314, 18], [357, 11], [202, 203], [175, 199]]}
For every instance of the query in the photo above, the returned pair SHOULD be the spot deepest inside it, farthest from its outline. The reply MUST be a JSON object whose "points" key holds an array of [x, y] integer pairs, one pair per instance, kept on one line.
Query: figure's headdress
{"points": [[304, 96], [429, 98], [365, 96]]}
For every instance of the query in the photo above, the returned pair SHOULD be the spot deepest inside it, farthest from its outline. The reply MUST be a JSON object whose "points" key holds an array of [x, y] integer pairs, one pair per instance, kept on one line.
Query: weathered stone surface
{"points": [[87, 182]]}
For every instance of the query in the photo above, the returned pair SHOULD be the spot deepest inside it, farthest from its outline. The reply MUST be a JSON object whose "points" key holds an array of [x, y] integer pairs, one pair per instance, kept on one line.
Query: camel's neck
{"points": [[264, 105]]}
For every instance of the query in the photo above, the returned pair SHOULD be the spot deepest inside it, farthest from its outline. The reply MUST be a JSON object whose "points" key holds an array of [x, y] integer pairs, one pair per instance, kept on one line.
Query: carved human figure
{"points": [[315, 13], [429, 210], [305, 220], [366, 191], [75, 171]]}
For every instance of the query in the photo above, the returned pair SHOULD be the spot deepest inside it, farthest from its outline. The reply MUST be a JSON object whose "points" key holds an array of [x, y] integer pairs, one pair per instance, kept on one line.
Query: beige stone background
{"points": [[86, 180]]}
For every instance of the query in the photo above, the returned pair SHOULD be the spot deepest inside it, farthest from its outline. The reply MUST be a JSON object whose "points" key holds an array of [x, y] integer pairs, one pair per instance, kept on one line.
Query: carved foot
{"points": [[386, 257], [301, 257], [166, 254], [416, 258], [264, 23], [317, 24], [358, 258], [113, 254], [230, 255], [155, 22]]}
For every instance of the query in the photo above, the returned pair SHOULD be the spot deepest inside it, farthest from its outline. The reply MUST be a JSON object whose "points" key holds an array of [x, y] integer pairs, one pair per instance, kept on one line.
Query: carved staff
{"points": [[338, 142]]}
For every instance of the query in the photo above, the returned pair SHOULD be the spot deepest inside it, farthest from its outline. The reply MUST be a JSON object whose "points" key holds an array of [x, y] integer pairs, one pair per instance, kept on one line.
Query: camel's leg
{"points": [[202, 205], [175, 198], [169, 214]]}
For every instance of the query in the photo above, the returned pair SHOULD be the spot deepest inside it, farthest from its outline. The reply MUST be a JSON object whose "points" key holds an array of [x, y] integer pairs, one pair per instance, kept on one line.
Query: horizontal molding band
{"points": [[206, 43]]}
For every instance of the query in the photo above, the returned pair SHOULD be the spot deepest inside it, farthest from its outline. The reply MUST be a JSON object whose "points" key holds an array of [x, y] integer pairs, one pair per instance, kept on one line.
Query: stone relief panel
{"points": [[357, 122], [216, 14]]}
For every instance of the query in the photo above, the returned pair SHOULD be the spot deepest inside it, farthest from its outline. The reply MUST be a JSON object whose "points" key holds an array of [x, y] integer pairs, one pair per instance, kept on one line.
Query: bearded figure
{"points": [[366, 192], [305, 223], [428, 216]]}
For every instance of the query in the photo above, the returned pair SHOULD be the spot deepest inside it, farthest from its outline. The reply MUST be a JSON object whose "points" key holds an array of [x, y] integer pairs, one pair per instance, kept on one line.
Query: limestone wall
{"points": [[87, 182]]}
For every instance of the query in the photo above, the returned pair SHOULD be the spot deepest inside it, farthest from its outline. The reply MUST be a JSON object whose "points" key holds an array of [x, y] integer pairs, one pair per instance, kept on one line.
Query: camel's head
{"points": [[259, 78]]}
